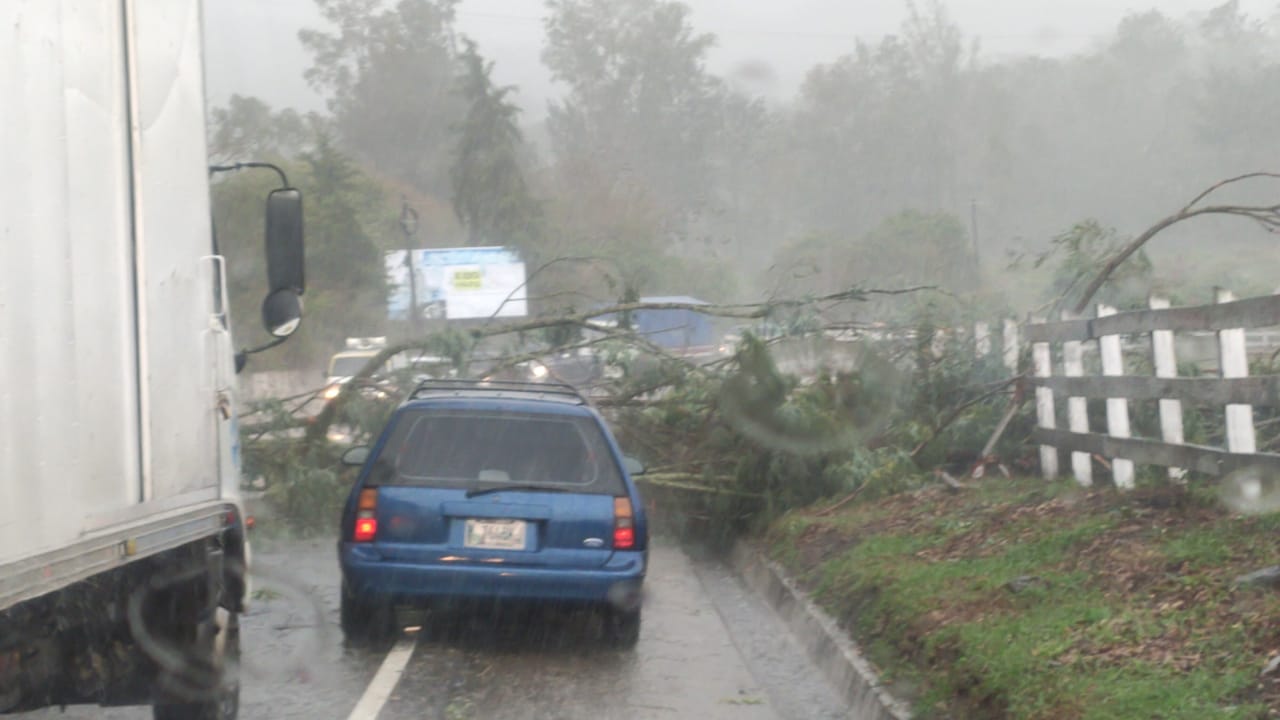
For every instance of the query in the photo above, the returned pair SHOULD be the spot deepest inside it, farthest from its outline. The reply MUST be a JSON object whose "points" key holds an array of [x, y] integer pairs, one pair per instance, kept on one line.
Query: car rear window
{"points": [[474, 450]]}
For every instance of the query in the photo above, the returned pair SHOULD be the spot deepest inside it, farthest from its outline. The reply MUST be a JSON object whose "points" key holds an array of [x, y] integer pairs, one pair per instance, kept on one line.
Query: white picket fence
{"points": [[1059, 369], [1219, 338]]}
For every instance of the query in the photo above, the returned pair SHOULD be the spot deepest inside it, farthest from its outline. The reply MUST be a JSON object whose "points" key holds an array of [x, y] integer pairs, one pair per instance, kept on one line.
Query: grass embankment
{"points": [[1021, 599]]}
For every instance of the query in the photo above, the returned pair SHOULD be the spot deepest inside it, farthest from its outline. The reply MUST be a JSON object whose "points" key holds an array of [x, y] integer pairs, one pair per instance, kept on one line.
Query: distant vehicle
{"points": [[579, 368], [490, 490], [681, 331], [344, 365], [429, 367]]}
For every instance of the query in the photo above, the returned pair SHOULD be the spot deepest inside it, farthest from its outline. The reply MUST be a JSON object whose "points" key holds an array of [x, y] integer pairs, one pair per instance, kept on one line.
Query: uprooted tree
{"points": [[818, 408]]}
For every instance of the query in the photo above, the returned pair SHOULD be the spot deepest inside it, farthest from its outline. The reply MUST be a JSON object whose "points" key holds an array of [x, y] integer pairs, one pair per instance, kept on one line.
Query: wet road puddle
{"points": [[704, 647]]}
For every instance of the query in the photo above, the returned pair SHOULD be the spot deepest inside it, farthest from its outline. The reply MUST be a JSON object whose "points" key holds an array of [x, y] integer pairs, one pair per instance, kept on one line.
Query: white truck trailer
{"points": [[122, 547]]}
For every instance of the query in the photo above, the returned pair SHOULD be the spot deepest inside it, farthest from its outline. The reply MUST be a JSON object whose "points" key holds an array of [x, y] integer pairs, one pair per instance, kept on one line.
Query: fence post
{"points": [[1077, 408], [938, 343], [981, 339], [1233, 362], [1010, 338], [1165, 360], [1042, 359], [1117, 408]]}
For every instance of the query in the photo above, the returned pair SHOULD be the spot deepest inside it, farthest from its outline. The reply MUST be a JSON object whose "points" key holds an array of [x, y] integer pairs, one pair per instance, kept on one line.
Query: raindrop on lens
{"points": [[1251, 491]]}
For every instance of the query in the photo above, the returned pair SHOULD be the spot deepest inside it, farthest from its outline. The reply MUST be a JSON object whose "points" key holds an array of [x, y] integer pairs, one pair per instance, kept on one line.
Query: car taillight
{"points": [[366, 524], [624, 524]]}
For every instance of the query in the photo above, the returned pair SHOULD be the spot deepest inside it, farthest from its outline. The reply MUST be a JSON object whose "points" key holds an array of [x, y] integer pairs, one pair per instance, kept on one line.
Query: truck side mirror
{"points": [[282, 312], [286, 267], [285, 252]]}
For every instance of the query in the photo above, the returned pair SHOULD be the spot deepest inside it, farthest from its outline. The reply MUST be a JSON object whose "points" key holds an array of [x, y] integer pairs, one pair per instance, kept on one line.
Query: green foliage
{"points": [[684, 182], [635, 144], [310, 495], [364, 415], [1079, 253], [389, 76], [956, 398], [558, 336], [639, 100], [1114, 617], [345, 219], [452, 343], [881, 472], [304, 485], [248, 129], [839, 410], [489, 191], [909, 87], [770, 443]]}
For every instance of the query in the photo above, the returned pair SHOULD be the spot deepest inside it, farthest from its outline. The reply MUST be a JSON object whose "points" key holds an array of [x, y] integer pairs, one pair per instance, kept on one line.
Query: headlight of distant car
{"points": [[331, 392], [538, 370]]}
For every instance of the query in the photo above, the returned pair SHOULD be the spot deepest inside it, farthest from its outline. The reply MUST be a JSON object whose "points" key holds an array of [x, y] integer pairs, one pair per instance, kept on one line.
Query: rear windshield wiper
{"points": [[518, 488]]}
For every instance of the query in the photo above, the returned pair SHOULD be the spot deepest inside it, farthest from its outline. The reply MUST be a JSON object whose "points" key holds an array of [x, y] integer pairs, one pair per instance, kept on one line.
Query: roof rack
{"points": [[558, 392]]}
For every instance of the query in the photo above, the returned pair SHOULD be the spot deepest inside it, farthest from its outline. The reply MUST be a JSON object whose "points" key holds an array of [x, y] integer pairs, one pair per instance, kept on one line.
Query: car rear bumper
{"points": [[367, 574]]}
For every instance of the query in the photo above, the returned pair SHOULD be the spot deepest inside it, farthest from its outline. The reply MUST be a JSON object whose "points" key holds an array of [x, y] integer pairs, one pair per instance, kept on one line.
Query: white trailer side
{"points": [[116, 378], [119, 453], [69, 428]]}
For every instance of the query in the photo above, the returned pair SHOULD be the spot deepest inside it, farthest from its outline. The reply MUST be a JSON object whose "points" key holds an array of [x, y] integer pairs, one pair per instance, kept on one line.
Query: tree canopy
{"points": [[490, 195], [907, 160], [388, 74]]}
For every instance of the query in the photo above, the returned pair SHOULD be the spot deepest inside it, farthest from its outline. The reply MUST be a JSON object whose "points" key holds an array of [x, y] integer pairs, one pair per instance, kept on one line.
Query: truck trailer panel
{"points": [[69, 431], [116, 378], [120, 519], [174, 249]]}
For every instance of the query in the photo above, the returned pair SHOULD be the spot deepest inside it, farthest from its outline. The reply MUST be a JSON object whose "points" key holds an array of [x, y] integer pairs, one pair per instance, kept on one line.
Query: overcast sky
{"points": [[766, 46]]}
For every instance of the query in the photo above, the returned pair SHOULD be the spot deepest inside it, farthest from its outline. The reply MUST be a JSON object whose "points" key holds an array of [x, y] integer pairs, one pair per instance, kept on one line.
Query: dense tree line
{"points": [[663, 178]]}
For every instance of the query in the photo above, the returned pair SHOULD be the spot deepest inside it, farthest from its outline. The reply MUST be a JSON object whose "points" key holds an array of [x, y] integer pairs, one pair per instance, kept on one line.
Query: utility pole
{"points": [[973, 230], [409, 223]]}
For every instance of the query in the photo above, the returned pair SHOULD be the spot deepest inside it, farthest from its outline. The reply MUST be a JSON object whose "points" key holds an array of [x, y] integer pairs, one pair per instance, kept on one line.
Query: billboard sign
{"points": [[458, 283]]}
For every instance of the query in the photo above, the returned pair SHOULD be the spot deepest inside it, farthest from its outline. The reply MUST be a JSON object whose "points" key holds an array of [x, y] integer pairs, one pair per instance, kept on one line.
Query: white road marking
{"points": [[384, 682]]}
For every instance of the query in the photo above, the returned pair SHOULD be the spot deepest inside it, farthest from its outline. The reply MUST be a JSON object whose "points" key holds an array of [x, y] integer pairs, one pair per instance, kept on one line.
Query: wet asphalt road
{"points": [[708, 650]]}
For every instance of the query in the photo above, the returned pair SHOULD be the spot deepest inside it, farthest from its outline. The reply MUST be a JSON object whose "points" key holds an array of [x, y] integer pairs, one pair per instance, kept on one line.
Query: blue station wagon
{"points": [[493, 491]]}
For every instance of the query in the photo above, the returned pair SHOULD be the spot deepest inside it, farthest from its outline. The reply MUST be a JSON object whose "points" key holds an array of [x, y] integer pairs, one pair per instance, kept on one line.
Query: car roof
{"points": [[673, 299], [546, 398], [511, 404]]}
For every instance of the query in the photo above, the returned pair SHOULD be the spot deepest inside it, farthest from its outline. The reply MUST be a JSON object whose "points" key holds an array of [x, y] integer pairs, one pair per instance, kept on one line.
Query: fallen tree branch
{"points": [[949, 481], [309, 395], [1268, 216], [1015, 402], [318, 429], [841, 502], [955, 414], [683, 481]]}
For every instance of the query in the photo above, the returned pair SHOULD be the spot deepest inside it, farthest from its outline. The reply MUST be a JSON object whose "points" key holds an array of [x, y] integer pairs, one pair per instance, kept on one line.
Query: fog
{"points": [[810, 264], [732, 150], [767, 46]]}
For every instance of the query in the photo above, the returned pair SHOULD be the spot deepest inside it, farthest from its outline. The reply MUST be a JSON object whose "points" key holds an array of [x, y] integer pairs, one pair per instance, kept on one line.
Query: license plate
{"points": [[496, 534]]}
